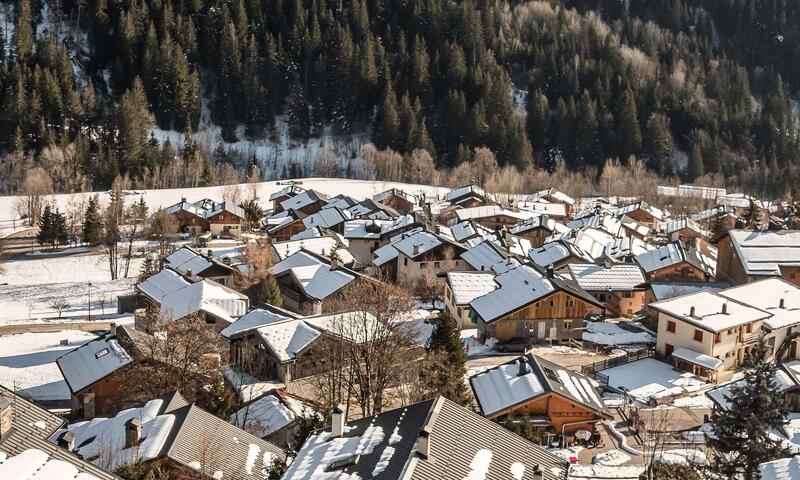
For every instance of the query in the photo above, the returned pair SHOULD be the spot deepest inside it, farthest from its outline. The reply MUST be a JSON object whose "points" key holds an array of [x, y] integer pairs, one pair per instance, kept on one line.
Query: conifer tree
{"points": [[47, 232], [630, 133], [388, 132], [93, 222], [266, 291], [23, 30], [743, 432], [696, 169], [448, 379]]}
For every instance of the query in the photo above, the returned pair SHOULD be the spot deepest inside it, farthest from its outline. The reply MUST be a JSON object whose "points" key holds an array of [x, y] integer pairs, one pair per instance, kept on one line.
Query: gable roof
{"points": [[708, 311], [269, 413], [551, 193], [485, 211], [289, 191], [555, 252], [467, 286], [258, 317], [542, 207], [303, 199], [672, 254], [465, 191], [776, 296], [327, 218], [313, 274], [93, 361], [764, 252], [207, 296], [460, 441], [542, 221], [616, 277], [323, 245], [412, 244], [375, 229], [484, 256], [163, 283], [226, 206], [500, 388]]}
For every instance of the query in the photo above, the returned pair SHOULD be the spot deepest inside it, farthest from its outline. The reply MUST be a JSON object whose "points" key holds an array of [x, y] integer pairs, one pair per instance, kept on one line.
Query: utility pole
{"points": [[90, 301]]}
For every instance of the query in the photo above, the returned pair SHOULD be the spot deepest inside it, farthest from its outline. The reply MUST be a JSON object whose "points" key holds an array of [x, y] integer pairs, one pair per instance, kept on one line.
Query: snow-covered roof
{"points": [[635, 226], [467, 286], [594, 241], [321, 246], [552, 194], [708, 311], [313, 232], [292, 189], [340, 201], [697, 358], [380, 197], [690, 191], [268, 414], [162, 284], [665, 290], [643, 206], [225, 207], [764, 252], [554, 252], [313, 274], [327, 218], [186, 260], [207, 296], [781, 469], [301, 200], [412, 245], [679, 224], [287, 338], [544, 208], [672, 254], [502, 387], [542, 221], [483, 256], [375, 228], [36, 464], [775, 296], [257, 317], [92, 361], [721, 395], [616, 277], [485, 211], [460, 192], [467, 229], [463, 444]]}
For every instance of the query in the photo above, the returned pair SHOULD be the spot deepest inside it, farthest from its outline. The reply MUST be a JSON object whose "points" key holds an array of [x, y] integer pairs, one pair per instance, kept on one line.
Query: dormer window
{"points": [[102, 353]]}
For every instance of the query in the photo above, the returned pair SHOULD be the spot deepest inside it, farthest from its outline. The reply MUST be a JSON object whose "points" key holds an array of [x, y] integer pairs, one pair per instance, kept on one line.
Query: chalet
{"points": [[399, 200], [690, 191], [332, 218], [432, 439], [284, 194], [366, 236], [177, 436], [559, 401], [274, 417], [552, 195], [556, 211], [373, 210], [745, 255], [310, 283], [493, 216], [191, 217], [488, 256], [26, 453], [285, 225], [307, 202], [467, 196], [272, 343], [468, 230], [324, 246], [683, 229], [188, 261], [463, 287], [558, 254], [706, 333], [621, 287], [642, 212], [341, 201], [677, 262], [225, 219], [89, 372], [416, 257], [634, 228], [658, 291], [533, 305], [175, 297], [537, 229]]}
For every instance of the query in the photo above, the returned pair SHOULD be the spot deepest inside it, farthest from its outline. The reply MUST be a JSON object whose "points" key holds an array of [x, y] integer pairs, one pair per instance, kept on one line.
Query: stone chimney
{"points": [[6, 416], [416, 249], [691, 311], [337, 421], [538, 474], [725, 308], [781, 304], [67, 441], [522, 362], [424, 442], [133, 433]]}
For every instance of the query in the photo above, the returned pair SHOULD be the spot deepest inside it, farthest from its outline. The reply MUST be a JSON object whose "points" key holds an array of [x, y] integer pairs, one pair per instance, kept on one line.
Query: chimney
{"points": [[133, 432], [725, 308], [183, 199], [337, 421], [691, 311], [607, 262], [416, 249], [424, 442], [538, 474], [550, 271], [6, 416], [781, 304], [209, 254], [188, 273], [523, 366], [67, 441]]}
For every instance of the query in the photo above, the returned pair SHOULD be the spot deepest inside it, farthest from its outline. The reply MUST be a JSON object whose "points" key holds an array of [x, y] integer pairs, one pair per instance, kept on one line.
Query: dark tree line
{"points": [[694, 87]]}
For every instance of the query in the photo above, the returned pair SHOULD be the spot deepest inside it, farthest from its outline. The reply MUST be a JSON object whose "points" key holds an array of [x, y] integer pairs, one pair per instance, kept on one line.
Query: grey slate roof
{"points": [[26, 434], [92, 362], [456, 436]]}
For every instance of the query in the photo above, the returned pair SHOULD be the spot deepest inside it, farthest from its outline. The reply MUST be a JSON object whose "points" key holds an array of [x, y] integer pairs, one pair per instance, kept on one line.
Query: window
{"points": [[405, 262], [698, 335], [748, 328], [423, 265], [717, 337], [567, 324], [570, 302], [670, 326], [102, 353], [668, 349], [435, 264]]}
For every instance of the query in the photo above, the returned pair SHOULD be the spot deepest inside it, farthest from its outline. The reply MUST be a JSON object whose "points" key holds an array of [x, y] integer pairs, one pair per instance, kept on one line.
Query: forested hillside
{"points": [[701, 89]]}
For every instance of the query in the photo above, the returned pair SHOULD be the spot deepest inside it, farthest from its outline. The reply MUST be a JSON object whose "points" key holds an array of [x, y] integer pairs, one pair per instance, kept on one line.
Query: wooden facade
{"points": [[565, 416], [558, 316], [679, 272], [536, 236], [731, 270], [285, 232], [190, 223]]}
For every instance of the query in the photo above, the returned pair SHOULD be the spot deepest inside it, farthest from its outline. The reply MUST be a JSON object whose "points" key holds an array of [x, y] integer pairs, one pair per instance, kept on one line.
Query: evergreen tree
{"points": [[696, 169], [253, 213], [217, 399], [23, 30], [59, 226], [388, 132], [448, 379], [47, 231], [93, 222], [267, 292], [743, 432], [630, 133]]}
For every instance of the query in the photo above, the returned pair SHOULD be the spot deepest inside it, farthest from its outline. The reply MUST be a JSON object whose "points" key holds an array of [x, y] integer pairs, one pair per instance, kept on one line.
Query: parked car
{"points": [[518, 344]]}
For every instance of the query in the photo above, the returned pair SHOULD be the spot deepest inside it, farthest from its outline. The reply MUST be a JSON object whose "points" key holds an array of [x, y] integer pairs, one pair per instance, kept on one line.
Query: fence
{"points": [[595, 367]]}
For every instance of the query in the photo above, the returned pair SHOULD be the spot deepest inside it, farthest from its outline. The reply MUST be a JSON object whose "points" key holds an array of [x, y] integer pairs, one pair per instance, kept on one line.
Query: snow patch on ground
{"points": [[611, 334], [611, 457], [27, 363]]}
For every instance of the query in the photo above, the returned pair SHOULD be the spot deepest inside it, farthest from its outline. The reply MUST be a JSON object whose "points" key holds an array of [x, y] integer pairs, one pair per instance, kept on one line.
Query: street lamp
{"points": [[90, 301]]}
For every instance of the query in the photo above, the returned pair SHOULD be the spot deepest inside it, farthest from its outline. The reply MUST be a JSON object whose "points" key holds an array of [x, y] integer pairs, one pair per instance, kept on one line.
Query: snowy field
{"points": [[359, 189], [27, 364], [28, 287], [650, 378]]}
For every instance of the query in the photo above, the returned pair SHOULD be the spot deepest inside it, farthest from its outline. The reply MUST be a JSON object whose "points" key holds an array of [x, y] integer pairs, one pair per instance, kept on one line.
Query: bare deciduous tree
{"points": [[162, 227], [59, 305]]}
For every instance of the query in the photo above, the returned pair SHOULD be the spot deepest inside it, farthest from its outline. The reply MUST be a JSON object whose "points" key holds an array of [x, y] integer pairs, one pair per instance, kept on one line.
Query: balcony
{"points": [[749, 338]]}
